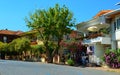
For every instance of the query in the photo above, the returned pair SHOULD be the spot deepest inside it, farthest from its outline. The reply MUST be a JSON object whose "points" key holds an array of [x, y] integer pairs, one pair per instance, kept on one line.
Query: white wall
{"points": [[118, 44], [118, 35], [106, 40], [115, 34], [98, 53], [99, 49], [114, 45], [113, 37]]}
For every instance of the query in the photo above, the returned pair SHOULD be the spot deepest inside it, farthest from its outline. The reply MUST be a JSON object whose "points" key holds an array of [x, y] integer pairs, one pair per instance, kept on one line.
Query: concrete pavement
{"points": [[8, 67]]}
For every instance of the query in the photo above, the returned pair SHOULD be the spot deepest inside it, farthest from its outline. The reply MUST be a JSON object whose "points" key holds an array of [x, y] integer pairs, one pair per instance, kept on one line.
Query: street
{"points": [[8, 67]]}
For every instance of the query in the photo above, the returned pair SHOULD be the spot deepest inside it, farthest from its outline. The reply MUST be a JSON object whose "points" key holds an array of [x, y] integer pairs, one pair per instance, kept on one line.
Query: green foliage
{"points": [[3, 46], [70, 62], [105, 30], [31, 35], [37, 49], [19, 45], [54, 22], [102, 58], [23, 44], [112, 58], [11, 46], [118, 58]]}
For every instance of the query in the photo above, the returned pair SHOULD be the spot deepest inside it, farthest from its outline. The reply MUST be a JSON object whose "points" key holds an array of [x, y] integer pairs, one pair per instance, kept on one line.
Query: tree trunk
{"points": [[58, 46], [49, 57]]}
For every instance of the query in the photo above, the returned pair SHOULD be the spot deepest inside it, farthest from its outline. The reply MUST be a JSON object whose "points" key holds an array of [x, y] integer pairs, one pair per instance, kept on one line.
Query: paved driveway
{"points": [[35, 68]]}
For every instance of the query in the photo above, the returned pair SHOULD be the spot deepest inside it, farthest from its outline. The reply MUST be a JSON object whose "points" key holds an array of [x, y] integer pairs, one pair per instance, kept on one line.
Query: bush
{"points": [[70, 62], [112, 58]]}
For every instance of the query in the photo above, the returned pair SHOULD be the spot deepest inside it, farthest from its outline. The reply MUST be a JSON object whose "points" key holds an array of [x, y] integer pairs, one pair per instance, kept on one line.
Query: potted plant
{"points": [[70, 62]]}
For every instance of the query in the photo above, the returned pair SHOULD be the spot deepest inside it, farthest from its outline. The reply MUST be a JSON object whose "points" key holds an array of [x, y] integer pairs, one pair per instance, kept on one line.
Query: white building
{"points": [[114, 20], [94, 30]]}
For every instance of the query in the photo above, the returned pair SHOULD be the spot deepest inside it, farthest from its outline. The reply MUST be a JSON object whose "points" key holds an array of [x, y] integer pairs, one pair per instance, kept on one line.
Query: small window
{"points": [[114, 26], [118, 23], [67, 37], [5, 39]]}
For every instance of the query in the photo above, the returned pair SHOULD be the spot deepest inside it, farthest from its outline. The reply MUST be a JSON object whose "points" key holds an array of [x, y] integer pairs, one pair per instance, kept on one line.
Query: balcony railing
{"points": [[93, 35], [102, 40]]}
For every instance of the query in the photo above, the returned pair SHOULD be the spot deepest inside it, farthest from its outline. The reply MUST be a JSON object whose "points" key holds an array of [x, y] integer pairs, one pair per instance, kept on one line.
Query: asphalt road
{"points": [[36, 68]]}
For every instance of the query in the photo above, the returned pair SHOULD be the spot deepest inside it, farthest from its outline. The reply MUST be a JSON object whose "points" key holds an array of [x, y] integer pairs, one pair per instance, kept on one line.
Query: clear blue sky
{"points": [[13, 12]]}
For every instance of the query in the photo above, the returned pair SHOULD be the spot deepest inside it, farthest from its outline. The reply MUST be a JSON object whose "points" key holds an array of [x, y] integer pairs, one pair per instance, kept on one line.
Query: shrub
{"points": [[70, 62], [112, 58]]}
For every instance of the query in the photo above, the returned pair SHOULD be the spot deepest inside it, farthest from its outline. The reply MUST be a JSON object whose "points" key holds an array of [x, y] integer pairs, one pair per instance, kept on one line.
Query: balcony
{"points": [[96, 23], [102, 40]]}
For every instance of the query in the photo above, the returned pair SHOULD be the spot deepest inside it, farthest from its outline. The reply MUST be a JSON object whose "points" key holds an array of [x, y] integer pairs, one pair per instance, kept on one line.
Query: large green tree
{"points": [[51, 24]]}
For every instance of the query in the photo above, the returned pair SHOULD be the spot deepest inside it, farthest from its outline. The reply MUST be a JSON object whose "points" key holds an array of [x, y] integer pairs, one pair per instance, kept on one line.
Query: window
{"points": [[67, 37], [118, 23], [4, 39], [114, 26]]}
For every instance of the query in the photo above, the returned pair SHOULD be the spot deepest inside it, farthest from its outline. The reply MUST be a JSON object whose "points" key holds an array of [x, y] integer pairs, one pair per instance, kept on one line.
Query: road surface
{"points": [[8, 67]]}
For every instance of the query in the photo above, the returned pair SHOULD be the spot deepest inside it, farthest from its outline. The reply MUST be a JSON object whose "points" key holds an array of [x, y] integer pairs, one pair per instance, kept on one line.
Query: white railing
{"points": [[102, 40]]}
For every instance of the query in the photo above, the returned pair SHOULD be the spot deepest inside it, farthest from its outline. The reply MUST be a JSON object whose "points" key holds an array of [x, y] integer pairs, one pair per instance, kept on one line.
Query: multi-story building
{"points": [[102, 32], [113, 19]]}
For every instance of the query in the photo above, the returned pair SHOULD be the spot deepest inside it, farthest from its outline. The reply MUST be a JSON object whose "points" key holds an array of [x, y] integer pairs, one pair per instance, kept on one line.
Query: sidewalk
{"points": [[106, 69]]}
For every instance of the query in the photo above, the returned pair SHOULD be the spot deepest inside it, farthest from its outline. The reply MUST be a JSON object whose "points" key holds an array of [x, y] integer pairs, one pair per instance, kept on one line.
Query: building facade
{"points": [[7, 36], [102, 32], [113, 19]]}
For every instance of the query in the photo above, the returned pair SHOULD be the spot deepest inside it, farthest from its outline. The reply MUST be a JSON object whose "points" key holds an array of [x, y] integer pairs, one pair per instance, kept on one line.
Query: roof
{"points": [[32, 32], [102, 12], [73, 34], [33, 43], [113, 13], [9, 32]]}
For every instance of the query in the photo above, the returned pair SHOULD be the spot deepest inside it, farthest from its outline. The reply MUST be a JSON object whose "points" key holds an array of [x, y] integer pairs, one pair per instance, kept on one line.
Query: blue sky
{"points": [[13, 12]]}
